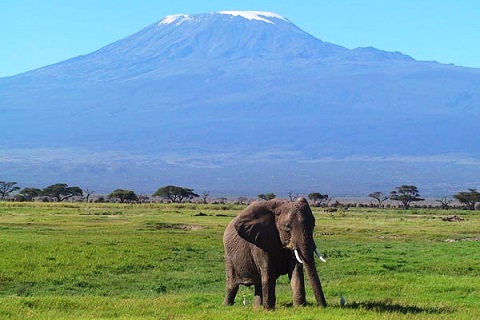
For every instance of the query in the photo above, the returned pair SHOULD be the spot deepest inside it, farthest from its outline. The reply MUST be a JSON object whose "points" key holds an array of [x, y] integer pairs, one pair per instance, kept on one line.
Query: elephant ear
{"points": [[256, 224]]}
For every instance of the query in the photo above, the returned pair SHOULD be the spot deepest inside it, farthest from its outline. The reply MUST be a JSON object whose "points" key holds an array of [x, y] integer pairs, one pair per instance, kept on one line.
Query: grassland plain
{"points": [[159, 261]]}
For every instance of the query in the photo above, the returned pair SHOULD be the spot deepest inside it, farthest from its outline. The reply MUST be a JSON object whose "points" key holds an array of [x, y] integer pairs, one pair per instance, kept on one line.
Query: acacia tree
{"points": [[469, 198], [379, 196], [122, 195], [406, 195], [88, 193], [292, 195], [175, 194], [61, 191], [242, 200], [205, 195], [268, 196], [6, 188], [30, 193], [444, 203], [316, 196]]}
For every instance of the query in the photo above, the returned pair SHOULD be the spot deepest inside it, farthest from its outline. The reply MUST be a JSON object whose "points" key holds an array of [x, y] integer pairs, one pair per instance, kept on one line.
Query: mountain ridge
{"points": [[220, 94]]}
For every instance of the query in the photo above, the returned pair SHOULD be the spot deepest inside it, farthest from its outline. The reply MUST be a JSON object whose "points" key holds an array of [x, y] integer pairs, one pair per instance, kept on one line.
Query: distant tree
{"points": [[444, 203], [30, 193], [242, 200], [143, 198], [268, 196], [175, 194], [222, 200], [379, 196], [88, 193], [122, 195], [205, 195], [61, 192], [317, 198], [406, 195], [6, 188], [292, 196], [469, 198]]}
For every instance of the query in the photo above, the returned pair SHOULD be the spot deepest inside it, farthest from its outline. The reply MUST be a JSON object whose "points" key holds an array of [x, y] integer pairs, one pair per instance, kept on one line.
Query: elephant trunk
{"points": [[315, 281]]}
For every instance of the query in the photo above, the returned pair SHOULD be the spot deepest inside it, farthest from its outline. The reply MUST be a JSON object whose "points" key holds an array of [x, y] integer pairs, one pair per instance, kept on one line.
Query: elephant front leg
{"points": [[268, 292], [297, 281], [230, 296]]}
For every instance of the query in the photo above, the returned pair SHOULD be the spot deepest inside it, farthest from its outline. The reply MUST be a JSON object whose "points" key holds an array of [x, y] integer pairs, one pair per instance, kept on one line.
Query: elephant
{"points": [[266, 240]]}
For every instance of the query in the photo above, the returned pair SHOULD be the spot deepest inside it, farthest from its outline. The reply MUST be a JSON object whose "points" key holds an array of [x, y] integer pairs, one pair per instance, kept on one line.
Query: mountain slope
{"points": [[199, 99]]}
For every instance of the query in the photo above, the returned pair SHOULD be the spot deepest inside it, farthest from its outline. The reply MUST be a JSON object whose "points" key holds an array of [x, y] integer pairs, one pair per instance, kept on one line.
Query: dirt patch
{"points": [[173, 226], [464, 239], [200, 214], [189, 227], [453, 218]]}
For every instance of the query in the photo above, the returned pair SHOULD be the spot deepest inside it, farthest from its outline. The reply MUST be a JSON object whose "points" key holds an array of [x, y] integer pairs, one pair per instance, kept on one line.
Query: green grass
{"points": [[111, 261]]}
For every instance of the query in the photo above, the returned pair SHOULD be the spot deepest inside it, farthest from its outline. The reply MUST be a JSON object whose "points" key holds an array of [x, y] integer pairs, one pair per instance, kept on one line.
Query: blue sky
{"points": [[35, 33]]}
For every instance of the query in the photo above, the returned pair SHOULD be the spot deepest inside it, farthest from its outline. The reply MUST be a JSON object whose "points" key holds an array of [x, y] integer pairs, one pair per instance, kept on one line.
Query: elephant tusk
{"points": [[319, 256], [297, 256]]}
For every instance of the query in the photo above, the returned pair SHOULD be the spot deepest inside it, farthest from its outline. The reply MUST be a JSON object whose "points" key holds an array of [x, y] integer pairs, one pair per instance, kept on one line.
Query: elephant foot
{"points": [[301, 303], [227, 303], [230, 297], [257, 302], [257, 299]]}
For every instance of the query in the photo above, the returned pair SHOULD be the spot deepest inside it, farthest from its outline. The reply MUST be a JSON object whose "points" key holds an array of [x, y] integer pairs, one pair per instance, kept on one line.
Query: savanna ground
{"points": [[112, 261]]}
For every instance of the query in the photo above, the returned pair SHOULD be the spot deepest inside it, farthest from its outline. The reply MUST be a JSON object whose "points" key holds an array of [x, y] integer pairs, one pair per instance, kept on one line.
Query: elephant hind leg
{"points": [[232, 284], [257, 299]]}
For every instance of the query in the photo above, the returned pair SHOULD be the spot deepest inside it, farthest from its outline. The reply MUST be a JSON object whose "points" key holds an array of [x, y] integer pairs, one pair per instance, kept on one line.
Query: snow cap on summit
{"points": [[178, 18], [255, 15]]}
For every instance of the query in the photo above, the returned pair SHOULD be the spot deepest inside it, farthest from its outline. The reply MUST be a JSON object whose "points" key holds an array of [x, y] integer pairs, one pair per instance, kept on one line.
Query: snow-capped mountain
{"points": [[241, 102]]}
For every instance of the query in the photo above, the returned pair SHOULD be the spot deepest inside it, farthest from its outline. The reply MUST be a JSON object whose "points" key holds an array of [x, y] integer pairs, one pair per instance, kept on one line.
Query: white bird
{"points": [[342, 300], [245, 302]]}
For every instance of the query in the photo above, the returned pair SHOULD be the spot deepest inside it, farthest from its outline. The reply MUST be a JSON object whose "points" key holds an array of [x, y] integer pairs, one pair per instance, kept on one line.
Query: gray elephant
{"points": [[266, 240]]}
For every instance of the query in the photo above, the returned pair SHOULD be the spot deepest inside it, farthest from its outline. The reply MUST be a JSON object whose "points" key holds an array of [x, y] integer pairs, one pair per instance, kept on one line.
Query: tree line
{"points": [[404, 194], [61, 192]]}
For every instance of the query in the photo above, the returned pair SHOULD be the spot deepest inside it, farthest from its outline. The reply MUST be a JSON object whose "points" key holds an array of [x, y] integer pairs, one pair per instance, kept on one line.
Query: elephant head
{"points": [[284, 229]]}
